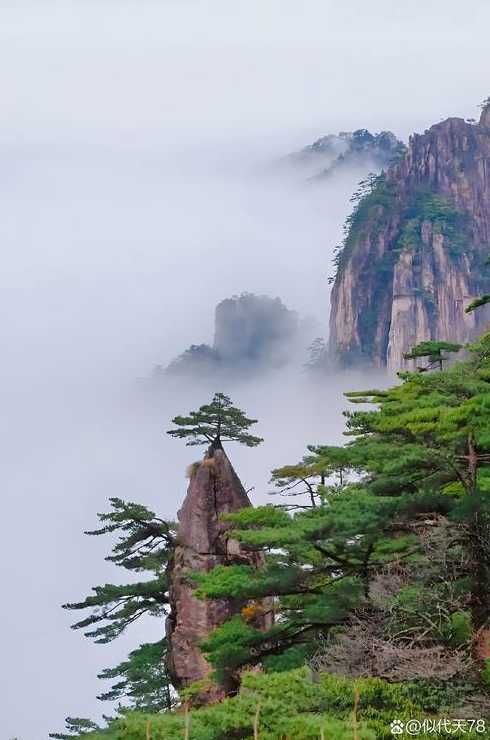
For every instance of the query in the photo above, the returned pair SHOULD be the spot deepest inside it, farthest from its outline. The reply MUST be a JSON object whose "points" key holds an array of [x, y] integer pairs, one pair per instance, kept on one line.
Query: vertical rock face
{"points": [[202, 544], [415, 253], [252, 331]]}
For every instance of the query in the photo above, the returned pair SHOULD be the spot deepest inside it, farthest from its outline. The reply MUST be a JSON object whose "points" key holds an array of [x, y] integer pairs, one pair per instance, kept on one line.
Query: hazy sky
{"points": [[135, 142]]}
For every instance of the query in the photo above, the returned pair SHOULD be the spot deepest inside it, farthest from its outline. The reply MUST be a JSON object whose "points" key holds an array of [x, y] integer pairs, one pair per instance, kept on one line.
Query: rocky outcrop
{"points": [[203, 543], [251, 333], [415, 250], [358, 149]]}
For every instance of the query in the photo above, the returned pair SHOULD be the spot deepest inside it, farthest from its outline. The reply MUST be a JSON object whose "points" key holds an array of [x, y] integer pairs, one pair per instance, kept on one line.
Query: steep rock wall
{"points": [[415, 253], [202, 544]]}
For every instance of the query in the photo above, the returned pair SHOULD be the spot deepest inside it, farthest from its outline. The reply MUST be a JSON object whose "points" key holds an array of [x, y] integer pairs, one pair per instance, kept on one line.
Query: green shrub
{"points": [[289, 704], [485, 674], [438, 697], [458, 630]]}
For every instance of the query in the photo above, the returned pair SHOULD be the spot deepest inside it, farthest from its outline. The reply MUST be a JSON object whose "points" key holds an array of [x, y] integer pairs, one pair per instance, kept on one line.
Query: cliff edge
{"points": [[415, 249]]}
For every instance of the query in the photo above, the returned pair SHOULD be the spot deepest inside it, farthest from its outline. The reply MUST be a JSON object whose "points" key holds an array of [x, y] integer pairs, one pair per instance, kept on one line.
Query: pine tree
{"points": [[311, 475], [433, 433], [145, 545], [318, 568], [423, 452], [215, 423], [433, 351], [142, 679], [485, 298], [478, 302], [75, 727]]}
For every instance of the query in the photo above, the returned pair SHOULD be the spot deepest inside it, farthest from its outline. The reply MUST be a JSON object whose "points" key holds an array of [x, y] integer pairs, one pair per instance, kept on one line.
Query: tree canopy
{"points": [[433, 351], [214, 423], [422, 453], [313, 475]]}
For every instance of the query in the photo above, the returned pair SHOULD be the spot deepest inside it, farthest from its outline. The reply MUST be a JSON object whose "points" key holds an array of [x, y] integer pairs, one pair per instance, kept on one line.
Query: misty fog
{"points": [[138, 189]]}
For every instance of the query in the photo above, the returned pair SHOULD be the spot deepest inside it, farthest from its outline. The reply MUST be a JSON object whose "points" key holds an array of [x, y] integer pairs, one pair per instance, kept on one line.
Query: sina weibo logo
{"points": [[396, 727]]}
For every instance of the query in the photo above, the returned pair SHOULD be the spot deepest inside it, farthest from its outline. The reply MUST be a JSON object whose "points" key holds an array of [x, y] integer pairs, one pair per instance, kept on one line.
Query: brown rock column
{"points": [[202, 544]]}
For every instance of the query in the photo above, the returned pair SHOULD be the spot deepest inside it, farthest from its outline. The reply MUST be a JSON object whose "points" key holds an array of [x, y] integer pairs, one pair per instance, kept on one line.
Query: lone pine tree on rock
{"points": [[204, 542], [214, 423]]}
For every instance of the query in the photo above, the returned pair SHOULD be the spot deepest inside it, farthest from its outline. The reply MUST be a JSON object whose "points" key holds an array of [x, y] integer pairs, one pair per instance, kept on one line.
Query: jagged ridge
{"points": [[415, 249]]}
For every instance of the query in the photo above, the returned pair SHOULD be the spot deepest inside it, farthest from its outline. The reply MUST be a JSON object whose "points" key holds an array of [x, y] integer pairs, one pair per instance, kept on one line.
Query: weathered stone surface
{"points": [[386, 299], [202, 544], [251, 333]]}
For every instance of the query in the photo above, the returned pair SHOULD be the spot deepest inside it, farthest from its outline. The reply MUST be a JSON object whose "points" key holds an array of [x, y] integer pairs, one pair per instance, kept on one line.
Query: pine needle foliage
{"points": [[422, 451], [145, 544], [478, 303], [76, 727], [322, 471], [214, 423], [318, 568], [291, 705], [407, 498], [434, 353], [142, 679]]}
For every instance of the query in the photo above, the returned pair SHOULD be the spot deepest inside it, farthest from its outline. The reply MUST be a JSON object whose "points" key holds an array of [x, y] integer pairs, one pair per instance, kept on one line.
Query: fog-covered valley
{"points": [[117, 266]]}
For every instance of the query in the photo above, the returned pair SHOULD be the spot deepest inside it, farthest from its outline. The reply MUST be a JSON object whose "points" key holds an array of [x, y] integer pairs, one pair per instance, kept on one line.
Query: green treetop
{"points": [[485, 103], [214, 423], [433, 351], [311, 475]]}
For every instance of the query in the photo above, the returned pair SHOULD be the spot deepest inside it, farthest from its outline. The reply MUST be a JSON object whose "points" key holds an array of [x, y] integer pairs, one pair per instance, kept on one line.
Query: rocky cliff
{"points": [[203, 543], [415, 249], [359, 150], [251, 333]]}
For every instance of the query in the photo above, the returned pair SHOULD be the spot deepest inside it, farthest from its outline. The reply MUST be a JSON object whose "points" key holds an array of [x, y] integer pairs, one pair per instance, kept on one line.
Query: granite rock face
{"points": [[202, 544], [415, 254], [251, 333]]}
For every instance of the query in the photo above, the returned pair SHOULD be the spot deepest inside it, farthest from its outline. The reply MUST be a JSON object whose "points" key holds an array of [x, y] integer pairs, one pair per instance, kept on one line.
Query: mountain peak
{"points": [[415, 251], [485, 114]]}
